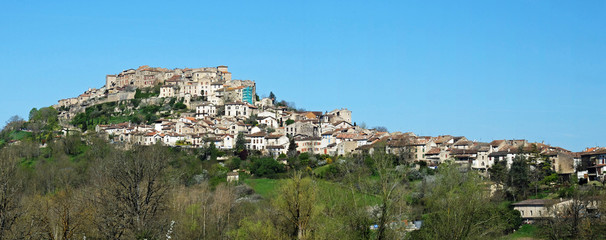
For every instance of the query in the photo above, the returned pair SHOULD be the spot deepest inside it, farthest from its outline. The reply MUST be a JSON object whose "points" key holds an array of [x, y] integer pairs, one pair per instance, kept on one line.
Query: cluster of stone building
{"points": [[227, 107], [213, 84], [315, 132]]}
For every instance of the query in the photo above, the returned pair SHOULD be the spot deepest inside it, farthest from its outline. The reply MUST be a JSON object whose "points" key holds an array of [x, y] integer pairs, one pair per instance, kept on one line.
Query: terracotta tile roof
{"points": [[498, 154], [365, 147], [328, 133], [273, 136], [433, 151], [598, 166], [259, 134], [463, 143], [442, 139], [174, 78], [594, 152], [236, 103], [463, 151], [306, 138]]}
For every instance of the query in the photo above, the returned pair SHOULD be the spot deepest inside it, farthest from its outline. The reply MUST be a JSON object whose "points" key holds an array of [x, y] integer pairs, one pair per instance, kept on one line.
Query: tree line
{"points": [[74, 186]]}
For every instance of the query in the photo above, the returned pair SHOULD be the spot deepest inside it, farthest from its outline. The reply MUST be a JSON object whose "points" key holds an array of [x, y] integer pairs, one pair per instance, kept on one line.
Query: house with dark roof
{"points": [[532, 210]]}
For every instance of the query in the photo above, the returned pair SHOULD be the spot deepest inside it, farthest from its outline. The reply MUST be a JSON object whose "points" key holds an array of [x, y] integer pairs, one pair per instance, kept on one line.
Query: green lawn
{"points": [[268, 188], [263, 186], [319, 171], [19, 135], [527, 231]]}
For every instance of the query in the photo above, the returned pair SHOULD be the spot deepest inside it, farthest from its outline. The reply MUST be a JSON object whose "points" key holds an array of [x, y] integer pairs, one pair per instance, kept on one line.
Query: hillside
{"points": [[193, 154]]}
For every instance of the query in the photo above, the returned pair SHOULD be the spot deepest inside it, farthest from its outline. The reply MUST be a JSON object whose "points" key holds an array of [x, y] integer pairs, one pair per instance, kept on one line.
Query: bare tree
{"points": [[390, 191], [191, 209], [60, 216], [222, 206], [10, 191], [132, 193]]}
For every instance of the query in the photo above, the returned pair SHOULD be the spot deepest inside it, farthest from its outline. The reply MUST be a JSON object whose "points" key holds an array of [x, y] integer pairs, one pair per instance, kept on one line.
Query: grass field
{"points": [[19, 135], [526, 232], [264, 187], [319, 171], [327, 191]]}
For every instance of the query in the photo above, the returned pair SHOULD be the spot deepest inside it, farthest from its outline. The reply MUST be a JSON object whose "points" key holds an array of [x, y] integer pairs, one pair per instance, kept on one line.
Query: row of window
{"points": [[522, 213]]}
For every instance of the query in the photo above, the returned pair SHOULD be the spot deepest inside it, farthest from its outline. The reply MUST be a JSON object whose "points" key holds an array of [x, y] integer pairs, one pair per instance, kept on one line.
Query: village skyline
{"points": [[526, 71]]}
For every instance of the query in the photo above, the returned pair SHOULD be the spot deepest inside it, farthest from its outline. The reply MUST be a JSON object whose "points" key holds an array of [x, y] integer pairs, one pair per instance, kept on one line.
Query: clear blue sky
{"points": [[483, 69]]}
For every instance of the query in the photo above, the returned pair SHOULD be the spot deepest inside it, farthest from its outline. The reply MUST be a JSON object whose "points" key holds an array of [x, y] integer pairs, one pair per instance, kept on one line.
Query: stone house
{"points": [[236, 109], [532, 210], [151, 138], [328, 138], [338, 115], [233, 176], [306, 128], [277, 139], [257, 141], [309, 144], [206, 110], [561, 162], [269, 121], [594, 161], [167, 91], [482, 161], [171, 138], [345, 148]]}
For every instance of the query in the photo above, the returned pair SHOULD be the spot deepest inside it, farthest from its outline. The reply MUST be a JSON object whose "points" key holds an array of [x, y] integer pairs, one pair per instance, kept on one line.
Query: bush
{"points": [[266, 167], [414, 174], [234, 163], [180, 105]]}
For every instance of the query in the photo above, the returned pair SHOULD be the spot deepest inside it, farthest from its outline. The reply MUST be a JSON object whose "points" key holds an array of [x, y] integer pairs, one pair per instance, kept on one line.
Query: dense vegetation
{"points": [[67, 185], [127, 111]]}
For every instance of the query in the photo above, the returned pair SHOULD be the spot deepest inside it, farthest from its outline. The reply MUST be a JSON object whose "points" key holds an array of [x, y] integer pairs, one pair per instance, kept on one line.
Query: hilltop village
{"points": [[215, 109]]}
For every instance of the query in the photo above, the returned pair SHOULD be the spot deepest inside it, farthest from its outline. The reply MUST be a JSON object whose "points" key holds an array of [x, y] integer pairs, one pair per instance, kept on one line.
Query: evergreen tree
{"points": [[240, 142], [292, 148], [519, 177], [498, 172]]}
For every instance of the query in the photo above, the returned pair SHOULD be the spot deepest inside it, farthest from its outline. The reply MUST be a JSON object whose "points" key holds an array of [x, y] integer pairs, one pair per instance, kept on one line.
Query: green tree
{"points": [[519, 177], [240, 142], [212, 151], [14, 123], [43, 122], [297, 204], [266, 167], [234, 163], [498, 172], [272, 96], [459, 207], [292, 147]]}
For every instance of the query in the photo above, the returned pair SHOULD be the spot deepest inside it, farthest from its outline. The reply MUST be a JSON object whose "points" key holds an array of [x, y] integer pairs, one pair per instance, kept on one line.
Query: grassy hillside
{"points": [[526, 232], [269, 188]]}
